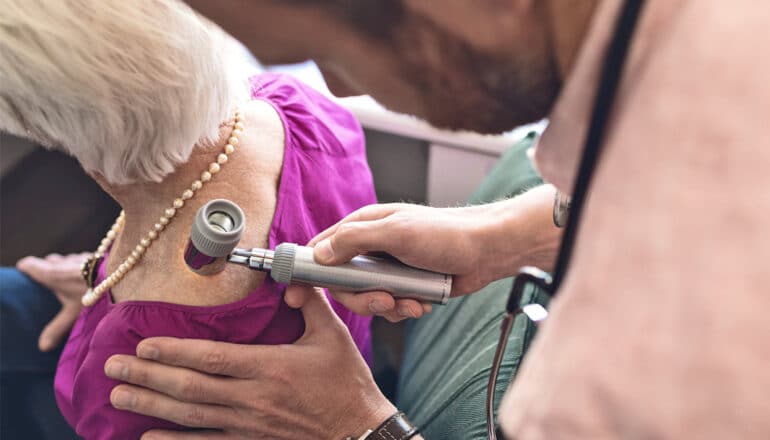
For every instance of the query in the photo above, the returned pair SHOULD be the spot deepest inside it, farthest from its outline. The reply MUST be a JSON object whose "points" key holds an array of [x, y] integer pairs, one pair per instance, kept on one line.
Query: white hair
{"points": [[128, 87]]}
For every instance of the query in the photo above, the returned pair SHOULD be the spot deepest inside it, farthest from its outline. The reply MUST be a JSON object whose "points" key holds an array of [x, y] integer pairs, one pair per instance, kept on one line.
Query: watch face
{"points": [[561, 205]]}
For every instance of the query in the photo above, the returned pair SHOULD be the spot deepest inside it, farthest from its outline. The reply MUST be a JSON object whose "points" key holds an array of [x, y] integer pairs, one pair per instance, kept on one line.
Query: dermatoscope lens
{"points": [[216, 231], [221, 220]]}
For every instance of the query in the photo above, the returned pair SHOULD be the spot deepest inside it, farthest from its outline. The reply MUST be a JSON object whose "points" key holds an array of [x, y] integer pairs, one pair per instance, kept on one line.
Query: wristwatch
{"points": [[561, 204], [397, 427]]}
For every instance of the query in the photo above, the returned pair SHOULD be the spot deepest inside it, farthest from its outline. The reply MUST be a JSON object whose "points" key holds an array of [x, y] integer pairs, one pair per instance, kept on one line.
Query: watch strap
{"points": [[396, 427]]}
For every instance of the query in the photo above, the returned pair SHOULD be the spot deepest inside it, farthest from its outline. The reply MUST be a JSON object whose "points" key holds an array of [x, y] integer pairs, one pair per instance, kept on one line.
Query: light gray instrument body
{"points": [[219, 225], [295, 264]]}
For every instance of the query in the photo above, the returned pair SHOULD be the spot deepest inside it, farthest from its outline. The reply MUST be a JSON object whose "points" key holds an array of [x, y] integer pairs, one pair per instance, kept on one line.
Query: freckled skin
{"points": [[250, 178]]}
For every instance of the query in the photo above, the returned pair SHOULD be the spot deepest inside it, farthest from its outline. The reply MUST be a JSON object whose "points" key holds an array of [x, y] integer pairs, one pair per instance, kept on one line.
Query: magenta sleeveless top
{"points": [[325, 176]]}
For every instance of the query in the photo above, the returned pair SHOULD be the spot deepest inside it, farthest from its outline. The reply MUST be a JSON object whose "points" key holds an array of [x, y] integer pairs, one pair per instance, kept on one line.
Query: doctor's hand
{"points": [[61, 275], [477, 245], [316, 388]]}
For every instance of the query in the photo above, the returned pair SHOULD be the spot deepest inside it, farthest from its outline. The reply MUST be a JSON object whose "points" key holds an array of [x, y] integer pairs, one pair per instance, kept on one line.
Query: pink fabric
{"points": [[325, 176]]}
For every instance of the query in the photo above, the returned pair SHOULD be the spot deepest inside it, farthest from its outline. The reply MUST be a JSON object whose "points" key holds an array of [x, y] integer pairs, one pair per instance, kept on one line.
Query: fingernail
{"points": [[116, 370], [324, 250], [123, 399], [405, 312], [147, 351], [377, 307]]}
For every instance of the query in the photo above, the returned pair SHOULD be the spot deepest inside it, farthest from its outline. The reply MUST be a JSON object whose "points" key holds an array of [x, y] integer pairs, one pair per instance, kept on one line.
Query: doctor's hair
{"points": [[126, 87]]}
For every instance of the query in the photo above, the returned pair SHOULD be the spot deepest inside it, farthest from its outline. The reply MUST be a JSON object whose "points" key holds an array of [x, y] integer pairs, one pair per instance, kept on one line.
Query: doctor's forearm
{"points": [[520, 232]]}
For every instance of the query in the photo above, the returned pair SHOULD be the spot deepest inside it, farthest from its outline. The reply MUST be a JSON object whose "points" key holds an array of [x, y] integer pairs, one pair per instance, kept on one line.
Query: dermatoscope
{"points": [[218, 227]]}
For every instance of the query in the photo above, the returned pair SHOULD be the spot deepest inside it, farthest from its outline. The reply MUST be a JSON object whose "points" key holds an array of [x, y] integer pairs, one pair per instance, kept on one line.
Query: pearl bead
{"points": [[163, 221], [236, 132], [214, 168], [238, 126], [140, 249], [170, 212], [178, 203], [153, 235], [196, 185], [229, 149], [110, 234], [187, 194], [205, 176], [131, 260], [144, 242], [221, 159], [233, 140], [158, 227], [106, 242]]}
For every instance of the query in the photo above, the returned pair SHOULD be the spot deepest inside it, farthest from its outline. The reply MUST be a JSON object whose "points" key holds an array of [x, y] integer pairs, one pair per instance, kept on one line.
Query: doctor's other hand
{"points": [[476, 244], [61, 275], [319, 387]]}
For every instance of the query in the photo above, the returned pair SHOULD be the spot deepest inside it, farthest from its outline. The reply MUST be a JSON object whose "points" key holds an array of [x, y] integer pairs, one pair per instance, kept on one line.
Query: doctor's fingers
{"points": [[195, 415], [366, 303], [213, 357], [162, 434], [178, 383], [382, 304], [403, 235], [367, 213]]}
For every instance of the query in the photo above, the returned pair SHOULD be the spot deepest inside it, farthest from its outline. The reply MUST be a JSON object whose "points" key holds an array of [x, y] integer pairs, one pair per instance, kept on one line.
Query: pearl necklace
{"points": [[94, 293]]}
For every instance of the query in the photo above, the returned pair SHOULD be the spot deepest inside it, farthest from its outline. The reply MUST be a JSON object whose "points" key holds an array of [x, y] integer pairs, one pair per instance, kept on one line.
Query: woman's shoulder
{"points": [[264, 132], [311, 120]]}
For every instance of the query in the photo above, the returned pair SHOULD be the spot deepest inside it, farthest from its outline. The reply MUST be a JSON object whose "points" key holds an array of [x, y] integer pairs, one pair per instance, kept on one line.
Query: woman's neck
{"points": [[249, 178]]}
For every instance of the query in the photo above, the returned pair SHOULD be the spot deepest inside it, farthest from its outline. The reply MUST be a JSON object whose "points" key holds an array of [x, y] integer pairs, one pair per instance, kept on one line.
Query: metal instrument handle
{"points": [[295, 264]]}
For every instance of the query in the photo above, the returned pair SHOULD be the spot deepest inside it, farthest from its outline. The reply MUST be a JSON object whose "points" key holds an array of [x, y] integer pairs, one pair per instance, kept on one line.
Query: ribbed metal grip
{"points": [[295, 264], [283, 266], [214, 241]]}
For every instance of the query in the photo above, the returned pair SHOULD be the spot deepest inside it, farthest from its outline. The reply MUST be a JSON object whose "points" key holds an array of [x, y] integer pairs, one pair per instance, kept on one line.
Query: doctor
{"points": [[660, 328]]}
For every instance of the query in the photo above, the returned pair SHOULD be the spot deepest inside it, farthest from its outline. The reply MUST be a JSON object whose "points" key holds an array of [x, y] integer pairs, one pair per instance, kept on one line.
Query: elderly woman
{"points": [[155, 104]]}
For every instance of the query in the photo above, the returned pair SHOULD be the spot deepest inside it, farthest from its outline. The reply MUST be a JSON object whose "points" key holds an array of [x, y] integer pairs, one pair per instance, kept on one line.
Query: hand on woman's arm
{"points": [[318, 387], [477, 244]]}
